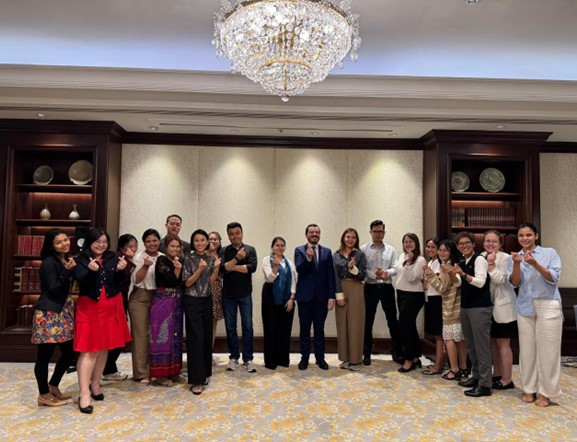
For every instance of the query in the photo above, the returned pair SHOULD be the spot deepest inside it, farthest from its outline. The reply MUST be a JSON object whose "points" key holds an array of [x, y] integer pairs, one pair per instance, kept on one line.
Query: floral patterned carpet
{"points": [[376, 403]]}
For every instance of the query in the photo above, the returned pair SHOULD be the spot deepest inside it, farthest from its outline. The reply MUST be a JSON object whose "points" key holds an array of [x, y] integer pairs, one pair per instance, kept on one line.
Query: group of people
{"points": [[471, 308]]}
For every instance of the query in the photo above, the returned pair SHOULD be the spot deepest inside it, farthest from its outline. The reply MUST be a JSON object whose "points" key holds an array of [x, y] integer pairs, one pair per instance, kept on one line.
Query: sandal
{"points": [[428, 371], [196, 389], [528, 397], [145, 382], [543, 401], [452, 375]]}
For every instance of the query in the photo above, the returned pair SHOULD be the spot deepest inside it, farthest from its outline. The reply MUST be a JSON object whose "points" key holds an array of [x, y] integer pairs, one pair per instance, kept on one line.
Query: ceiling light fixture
{"points": [[285, 45], [472, 2]]}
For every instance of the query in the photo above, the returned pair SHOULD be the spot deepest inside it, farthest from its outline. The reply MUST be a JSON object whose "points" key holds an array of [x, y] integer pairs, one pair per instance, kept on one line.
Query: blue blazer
{"points": [[315, 282]]}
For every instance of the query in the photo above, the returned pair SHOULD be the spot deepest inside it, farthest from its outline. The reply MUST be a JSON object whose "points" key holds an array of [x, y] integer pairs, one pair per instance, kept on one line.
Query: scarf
{"points": [[281, 289]]}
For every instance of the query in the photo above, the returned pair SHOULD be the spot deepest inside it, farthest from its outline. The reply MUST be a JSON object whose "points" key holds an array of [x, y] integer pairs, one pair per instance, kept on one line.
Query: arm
{"points": [[498, 270], [392, 270], [552, 272], [302, 263], [54, 279], [415, 270], [270, 271], [191, 274], [215, 270], [514, 270]]}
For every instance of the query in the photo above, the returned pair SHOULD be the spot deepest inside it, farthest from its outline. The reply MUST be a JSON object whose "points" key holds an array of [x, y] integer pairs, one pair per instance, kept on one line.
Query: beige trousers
{"points": [[351, 322], [540, 348], [139, 311]]}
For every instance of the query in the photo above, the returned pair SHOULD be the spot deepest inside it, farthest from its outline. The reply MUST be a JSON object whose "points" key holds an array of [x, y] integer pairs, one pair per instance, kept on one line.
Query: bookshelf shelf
{"points": [[55, 188]]}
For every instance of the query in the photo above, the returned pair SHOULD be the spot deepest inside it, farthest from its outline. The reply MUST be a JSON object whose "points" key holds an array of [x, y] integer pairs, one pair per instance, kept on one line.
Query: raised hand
{"points": [[352, 263], [491, 259], [177, 263], [121, 263], [530, 259], [70, 264], [93, 265], [409, 257], [310, 252], [217, 263], [516, 257], [241, 254], [276, 260], [148, 261], [202, 264]]}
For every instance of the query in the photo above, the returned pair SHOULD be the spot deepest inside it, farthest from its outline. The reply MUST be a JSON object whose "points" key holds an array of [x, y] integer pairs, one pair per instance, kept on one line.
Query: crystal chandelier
{"points": [[285, 45]]}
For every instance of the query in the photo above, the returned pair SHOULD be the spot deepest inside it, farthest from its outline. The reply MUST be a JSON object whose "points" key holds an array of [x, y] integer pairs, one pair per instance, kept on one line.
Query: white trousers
{"points": [[540, 348]]}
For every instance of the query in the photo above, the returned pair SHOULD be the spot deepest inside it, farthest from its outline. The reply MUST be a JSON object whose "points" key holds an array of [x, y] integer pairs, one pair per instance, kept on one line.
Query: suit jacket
{"points": [[315, 282]]}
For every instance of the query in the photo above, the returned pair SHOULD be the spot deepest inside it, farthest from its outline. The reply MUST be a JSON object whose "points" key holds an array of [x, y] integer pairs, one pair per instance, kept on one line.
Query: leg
{"points": [[268, 326], [245, 307], [341, 317], [409, 306], [63, 363], [319, 317], [139, 310], [111, 367], [496, 355], [548, 331], [84, 368], [207, 337], [451, 347], [468, 334], [439, 354], [229, 307], [285, 329], [389, 305], [97, 371], [356, 324], [371, 303], [527, 354], [43, 355], [194, 340], [481, 327], [305, 321]]}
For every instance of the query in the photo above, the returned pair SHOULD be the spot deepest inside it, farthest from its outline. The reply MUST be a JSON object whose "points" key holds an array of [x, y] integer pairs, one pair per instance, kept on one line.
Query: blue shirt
{"points": [[533, 285]]}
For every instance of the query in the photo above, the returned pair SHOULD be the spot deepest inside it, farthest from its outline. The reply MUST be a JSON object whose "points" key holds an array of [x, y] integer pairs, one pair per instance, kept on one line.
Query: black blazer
{"points": [[90, 282], [54, 285]]}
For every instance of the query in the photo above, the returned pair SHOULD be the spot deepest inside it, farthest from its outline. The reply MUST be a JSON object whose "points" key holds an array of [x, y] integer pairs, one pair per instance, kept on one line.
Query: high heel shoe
{"points": [[50, 401], [96, 397], [413, 366], [85, 410]]}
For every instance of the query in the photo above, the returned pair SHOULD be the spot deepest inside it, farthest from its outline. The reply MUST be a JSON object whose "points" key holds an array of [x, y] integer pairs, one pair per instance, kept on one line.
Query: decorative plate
{"points": [[492, 180], [80, 172], [459, 181], [43, 175]]}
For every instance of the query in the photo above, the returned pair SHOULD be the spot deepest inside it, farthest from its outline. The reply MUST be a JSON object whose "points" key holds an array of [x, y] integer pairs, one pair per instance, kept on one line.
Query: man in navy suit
{"points": [[315, 294]]}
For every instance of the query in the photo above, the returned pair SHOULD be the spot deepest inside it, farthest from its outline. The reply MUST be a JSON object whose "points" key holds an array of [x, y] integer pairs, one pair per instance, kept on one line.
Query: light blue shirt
{"points": [[383, 257], [533, 285]]}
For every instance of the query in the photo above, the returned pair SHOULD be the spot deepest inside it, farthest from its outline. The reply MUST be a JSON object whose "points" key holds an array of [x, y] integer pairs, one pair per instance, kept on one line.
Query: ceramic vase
{"points": [[74, 214], [45, 213]]}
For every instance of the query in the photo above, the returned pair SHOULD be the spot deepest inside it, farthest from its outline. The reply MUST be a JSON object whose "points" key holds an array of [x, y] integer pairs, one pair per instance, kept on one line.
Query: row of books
{"points": [[483, 216], [29, 245], [27, 279]]}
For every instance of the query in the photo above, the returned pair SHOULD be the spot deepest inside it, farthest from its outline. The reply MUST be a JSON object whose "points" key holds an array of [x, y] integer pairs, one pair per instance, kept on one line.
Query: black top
{"points": [[90, 282], [235, 284], [471, 296], [127, 273], [185, 247], [164, 274], [54, 284]]}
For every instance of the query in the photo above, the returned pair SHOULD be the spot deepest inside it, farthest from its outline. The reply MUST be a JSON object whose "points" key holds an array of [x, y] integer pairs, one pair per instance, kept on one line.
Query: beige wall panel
{"points": [[559, 210]]}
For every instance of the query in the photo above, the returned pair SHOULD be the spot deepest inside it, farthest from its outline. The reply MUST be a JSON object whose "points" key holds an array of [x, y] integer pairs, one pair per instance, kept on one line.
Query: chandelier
{"points": [[285, 45]]}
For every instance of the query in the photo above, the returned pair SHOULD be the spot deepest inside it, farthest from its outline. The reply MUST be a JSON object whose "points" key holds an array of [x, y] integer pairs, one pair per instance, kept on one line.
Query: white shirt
{"points": [[383, 257], [149, 281], [502, 292], [435, 266], [410, 277], [269, 276]]}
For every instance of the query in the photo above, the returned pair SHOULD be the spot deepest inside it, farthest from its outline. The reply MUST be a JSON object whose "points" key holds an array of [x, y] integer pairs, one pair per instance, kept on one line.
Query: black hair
{"points": [[232, 225], [48, 244], [309, 226], [275, 239], [199, 232], [93, 236], [149, 232], [123, 240], [377, 222], [174, 215]]}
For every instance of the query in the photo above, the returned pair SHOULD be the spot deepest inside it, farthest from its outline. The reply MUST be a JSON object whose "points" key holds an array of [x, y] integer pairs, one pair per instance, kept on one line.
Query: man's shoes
{"points": [[469, 383], [249, 366], [367, 360], [114, 376], [303, 364], [232, 364], [478, 391], [322, 364]]}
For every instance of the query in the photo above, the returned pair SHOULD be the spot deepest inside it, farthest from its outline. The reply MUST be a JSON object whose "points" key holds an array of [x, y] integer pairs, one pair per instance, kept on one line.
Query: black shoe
{"points": [[86, 410], [497, 385], [367, 360], [469, 383], [398, 358], [413, 366], [478, 391], [96, 397], [71, 369], [322, 364], [303, 364]]}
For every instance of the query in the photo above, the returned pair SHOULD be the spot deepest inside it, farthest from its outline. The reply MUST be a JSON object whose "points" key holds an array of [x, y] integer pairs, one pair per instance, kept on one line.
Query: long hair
{"points": [[219, 248], [343, 245], [454, 254], [123, 241], [435, 241], [93, 236], [417, 251], [48, 244]]}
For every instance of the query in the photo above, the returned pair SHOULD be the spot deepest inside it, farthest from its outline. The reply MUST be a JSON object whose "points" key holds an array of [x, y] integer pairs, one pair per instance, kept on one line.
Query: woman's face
{"points": [[151, 244], [61, 244], [99, 246], [408, 244], [444, 253], [432, 250], [527, 238], [173, 248], [466, 246], [130, 248], [200, 243], [214, 241], [350, 239], [491, 243], [279, 247]]}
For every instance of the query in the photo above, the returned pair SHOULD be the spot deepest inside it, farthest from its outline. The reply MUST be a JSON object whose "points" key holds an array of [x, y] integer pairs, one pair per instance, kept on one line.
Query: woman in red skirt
{"points": [[100, 324]]}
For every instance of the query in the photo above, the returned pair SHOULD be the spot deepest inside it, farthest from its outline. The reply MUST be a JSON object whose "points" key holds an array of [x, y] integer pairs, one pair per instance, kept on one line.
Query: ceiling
{"points": [[424, 64]]}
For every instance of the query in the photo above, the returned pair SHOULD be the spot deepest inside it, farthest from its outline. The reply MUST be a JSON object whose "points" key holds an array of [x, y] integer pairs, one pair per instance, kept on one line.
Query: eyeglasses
{"points": [[378, 232], [101, 243], [464, 244]]}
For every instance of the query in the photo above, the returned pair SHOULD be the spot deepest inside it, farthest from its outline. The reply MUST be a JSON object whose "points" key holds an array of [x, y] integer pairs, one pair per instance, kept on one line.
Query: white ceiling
{"points": [[424, 64]]}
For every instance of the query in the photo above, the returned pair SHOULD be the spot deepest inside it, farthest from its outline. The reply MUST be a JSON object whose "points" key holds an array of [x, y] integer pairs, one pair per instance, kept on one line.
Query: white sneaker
{"points": [[232, 365], [249, 366], [355, 367], [115, 377], [345, 365]]}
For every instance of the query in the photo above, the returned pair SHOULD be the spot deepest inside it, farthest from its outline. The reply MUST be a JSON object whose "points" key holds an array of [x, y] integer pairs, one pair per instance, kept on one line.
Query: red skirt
{"points": [[100, 325]]}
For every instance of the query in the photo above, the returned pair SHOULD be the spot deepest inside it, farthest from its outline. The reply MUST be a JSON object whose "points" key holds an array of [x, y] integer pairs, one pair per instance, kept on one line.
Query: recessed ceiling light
{"points": [[234, 131], [153, 128], [501, 126], [314, 133], [41, 115]]}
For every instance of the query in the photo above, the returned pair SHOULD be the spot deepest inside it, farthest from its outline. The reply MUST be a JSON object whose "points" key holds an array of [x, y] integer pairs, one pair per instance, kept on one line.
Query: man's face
{"points": [[235, 236], [378, 233], [173, 226], [313, 235]]}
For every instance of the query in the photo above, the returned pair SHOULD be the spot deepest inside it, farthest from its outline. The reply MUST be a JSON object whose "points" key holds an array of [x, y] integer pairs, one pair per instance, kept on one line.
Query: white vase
{"points": [[45, 213], [74, 214]]}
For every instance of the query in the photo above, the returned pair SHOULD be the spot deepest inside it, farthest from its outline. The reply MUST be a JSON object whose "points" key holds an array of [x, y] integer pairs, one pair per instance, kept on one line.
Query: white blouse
{"points": [[149, 281], [410, 277], [269, 276]]}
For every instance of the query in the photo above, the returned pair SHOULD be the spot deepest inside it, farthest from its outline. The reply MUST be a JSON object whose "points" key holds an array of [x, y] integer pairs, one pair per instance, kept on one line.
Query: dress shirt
{"points": [[533, 285], [383, 257], [149, 281], [481, 272], [269, 276]]}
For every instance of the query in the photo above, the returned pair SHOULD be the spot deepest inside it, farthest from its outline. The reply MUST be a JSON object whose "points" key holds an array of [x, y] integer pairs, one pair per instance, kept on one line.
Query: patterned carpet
{"points": [[376, 403]]}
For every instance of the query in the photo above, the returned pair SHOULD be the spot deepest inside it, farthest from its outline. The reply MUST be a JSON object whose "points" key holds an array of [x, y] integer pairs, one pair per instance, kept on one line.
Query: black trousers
{"points": [[44, 354], [198, 322], [277, 326], [410, 304], [385, 294]]}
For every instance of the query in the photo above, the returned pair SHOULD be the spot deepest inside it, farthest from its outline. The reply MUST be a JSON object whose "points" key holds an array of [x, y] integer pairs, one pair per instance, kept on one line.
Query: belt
{"points": [[353, 280]]}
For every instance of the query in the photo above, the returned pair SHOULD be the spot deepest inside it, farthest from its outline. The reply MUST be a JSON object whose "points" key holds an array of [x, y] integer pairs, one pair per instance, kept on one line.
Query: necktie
{"points": [[315, 260]]}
